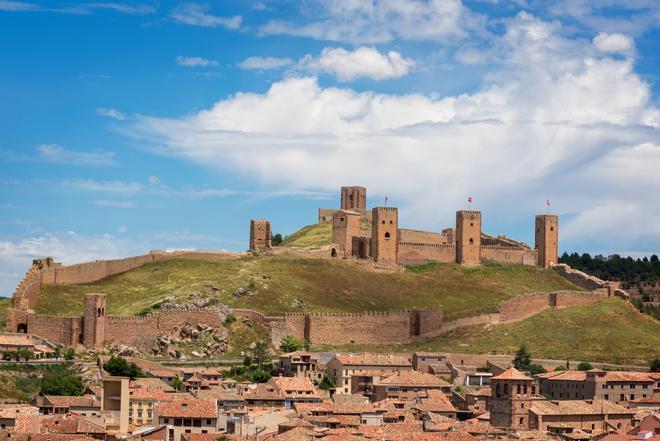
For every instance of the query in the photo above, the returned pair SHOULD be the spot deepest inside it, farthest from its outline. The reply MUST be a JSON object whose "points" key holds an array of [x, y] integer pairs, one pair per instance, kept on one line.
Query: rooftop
{"points": [[188, 409], [368, 359]]}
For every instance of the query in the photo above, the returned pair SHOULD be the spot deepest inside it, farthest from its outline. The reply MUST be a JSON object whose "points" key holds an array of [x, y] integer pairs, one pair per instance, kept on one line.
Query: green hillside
{"points": [[285, 283], [4, 304], [310, 236], [609, 331]]}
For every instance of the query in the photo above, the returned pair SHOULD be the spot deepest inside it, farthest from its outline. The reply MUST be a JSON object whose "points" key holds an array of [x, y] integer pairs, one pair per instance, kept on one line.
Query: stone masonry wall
{"points": [[523, 306], [419, 252], [580, 278], [59, 330], [427, 237], [93, 271], [508, 255]]}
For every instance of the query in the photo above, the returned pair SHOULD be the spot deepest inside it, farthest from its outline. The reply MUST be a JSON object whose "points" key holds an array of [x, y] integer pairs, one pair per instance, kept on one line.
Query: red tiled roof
{"points": [[188, 409], [372, 360], [413, 378], [511, 374]]}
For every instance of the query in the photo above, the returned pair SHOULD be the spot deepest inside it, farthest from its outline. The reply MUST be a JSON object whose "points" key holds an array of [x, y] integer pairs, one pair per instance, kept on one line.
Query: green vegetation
{"points": [[584, 366], [614, 267], [523, 359], [25, 381], [314, 235], [4, 304], [276, 240], [654, 365], [608, 331], [119, 367], [290, 343], [287, 283]]}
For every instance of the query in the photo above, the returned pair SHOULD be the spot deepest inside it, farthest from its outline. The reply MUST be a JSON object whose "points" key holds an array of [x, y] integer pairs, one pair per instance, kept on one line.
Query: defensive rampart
{"points": [[508, 254], [420, 251], [417, 236]]}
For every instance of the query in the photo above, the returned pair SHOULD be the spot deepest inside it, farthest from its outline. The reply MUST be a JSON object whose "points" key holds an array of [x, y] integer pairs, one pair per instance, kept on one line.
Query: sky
{"points": [[132, 126]]}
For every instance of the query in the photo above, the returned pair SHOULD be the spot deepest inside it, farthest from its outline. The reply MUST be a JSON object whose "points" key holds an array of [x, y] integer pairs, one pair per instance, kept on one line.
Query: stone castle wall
{"points": [[417, 236], [93, 271], [420, 252], [508, 255], [60, 330], [580, 278]]}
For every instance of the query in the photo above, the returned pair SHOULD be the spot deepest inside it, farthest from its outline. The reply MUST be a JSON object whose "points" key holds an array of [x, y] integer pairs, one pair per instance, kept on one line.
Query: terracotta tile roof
{"points": [[565, 375], [628, 376], [188, 409], [157, 395], [212, 437], [12, 411], [413, 378], [13, 436], [482, 392], [293, 386], [437, 401], [578, 407], [17, 340], [69, 424], [511, 374], [66, 401], [367, 359], [218, 393], [150, 384]]}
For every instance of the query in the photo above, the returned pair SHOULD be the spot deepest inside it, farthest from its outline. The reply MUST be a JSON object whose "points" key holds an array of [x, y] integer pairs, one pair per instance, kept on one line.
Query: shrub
{"points": [[654, 365], [535, 369], [119, 367], [584, 366], [523, 359], [290, 343], [62, 383], [260, 376]]}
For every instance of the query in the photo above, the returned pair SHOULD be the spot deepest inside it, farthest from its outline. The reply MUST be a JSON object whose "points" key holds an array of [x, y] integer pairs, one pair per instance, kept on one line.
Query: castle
{"points": [[376, 235]]}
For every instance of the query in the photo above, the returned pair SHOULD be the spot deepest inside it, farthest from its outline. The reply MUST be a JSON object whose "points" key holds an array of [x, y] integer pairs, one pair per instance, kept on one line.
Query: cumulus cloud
{"points": [[59, 155], [553, 111], [194, 61], [198, 15], [111, 113], [361, 62], [264, 63], [613, 43], [80, 8], [381, 21]]}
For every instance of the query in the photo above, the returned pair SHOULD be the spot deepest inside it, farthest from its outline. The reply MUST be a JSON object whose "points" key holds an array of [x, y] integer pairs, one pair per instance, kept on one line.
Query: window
{"points": [[387, 236], [607, 397], [471, 241], [209, 422], [622, 397], [518, 388], [197, 423], [521, 420], [205, 431]]}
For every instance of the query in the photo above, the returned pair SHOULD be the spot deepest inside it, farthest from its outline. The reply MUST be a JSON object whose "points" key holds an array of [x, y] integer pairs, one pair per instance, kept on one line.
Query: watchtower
{"points": [[511, 398], [260, 235], [354, 198], [546, 239], [94, 320], [384, 234], [468, 237], [345, 226]]}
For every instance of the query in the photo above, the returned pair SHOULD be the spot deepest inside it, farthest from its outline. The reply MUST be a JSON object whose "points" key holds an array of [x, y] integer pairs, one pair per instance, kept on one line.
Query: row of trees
{"points": [[624, 269]]}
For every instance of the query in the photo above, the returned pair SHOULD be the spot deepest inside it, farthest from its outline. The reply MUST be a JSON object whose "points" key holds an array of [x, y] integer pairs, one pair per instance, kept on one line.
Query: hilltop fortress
{"points": [[376, 235], [370, 236]]}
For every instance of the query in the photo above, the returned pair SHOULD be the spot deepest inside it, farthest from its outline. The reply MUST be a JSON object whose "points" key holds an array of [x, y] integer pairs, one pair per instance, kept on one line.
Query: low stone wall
{"points": [[256, 316], [580, 278], [524, 306], [417, 236]]}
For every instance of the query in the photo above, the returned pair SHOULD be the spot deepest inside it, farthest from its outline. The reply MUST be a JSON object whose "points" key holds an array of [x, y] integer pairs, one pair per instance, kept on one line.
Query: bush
{"points": [[584, 366], [523, 359], [535, 369], [69, 354], [561, 367], [325, 383], [654, 365], [290, 343], [276, 240], [119, 367], [62, 384], [260, 376], [231, 318]]}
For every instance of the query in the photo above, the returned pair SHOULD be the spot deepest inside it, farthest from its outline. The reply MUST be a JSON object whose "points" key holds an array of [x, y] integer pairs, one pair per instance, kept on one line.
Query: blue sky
{"points": [[129, 126]]}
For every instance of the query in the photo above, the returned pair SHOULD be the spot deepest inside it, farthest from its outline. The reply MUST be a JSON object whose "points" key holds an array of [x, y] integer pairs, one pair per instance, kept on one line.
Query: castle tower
{"points": [[511, 398], [354, 198], [345, 226], [547, 239], [468, 237], [94, 320], [384, 234], [260, 235]]}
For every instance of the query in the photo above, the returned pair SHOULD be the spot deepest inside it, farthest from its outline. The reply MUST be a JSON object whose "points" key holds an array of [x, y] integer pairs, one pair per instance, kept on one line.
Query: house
{"points": [[430, 363], [473, 401], [143, 401], [573, 415], [11, 415], [342, 367], [188, 416], [615, 386], [72, 424], [434, 401], [301, 364], [88, 405], [409, 385], [36, 346], [295, 390]]}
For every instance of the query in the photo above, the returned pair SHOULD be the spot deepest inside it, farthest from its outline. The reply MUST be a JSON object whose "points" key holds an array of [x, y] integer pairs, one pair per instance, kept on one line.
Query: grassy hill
{"points": [[608, 331], [310, 236], [4, 304], [285, 283]]}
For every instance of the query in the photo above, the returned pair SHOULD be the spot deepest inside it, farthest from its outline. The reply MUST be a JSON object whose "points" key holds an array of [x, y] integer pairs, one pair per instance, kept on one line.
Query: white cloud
{"points": [[552, 111], [194, 61], [111, 113], [8, 5], [381, 21], [613, 43], [154, 180], [264, 63], [361, 62], [197, 15], [57, 154], [108, 186], [80, 8], [114, 203]]}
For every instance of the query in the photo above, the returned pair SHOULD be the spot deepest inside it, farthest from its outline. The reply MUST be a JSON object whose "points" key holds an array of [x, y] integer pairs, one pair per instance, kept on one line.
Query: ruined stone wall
{"points": [[26, 294], [255, 316], [58, 330], [567, 299], [417, 236], [371, 327], [420, 252], [580, 278], [523, 306], [93, 271], [508, 255]]}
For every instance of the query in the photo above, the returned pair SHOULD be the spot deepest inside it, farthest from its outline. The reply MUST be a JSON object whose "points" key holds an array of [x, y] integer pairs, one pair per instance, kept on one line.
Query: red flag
{"points": [[547, 202], [470, 199]]}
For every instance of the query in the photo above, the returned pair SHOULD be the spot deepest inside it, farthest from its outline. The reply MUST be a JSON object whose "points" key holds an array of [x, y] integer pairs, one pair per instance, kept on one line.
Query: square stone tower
{"points": [[511, 398], [94, 320], [345, 226], [354, 198], [384, 234], [547, 239], [468, 237], [260, 235]]}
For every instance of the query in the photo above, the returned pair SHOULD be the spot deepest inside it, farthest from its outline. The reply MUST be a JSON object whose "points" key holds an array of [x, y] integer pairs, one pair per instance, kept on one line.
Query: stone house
{"points": [[573, 415], [188, 416], [410, 385], [87, 405], [301, 364], [430, 362], [342, 367]]}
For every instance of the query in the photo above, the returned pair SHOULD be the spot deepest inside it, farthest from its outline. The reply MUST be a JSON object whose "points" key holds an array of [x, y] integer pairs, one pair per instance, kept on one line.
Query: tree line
{"points": [[629, 271]]}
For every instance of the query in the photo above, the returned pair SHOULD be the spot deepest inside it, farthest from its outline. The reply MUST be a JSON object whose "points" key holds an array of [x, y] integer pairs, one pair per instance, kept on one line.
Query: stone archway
{"points": [[21, 328], [333, 253]]}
